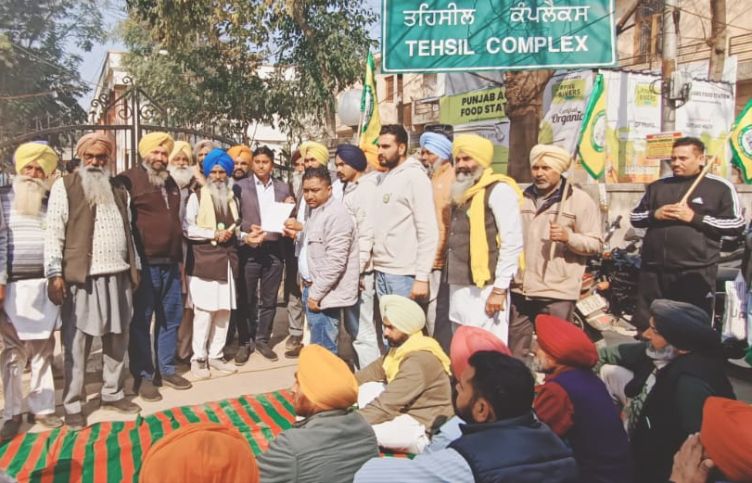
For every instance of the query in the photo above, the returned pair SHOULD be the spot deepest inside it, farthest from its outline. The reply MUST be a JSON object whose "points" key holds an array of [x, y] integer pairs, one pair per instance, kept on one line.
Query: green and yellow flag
{"points": [[741, 142], [371, 122], [592, 144]]}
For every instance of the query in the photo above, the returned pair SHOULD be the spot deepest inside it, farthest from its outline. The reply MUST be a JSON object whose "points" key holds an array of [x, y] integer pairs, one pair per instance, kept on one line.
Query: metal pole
{"points": [[668, 66]]}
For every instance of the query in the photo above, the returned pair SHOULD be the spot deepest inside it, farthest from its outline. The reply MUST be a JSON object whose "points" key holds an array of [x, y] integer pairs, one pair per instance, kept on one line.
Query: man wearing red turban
{"points": [[575, 403]]}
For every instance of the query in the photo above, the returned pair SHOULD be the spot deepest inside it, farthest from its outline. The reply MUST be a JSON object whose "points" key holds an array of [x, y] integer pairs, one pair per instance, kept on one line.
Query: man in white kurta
{"points": [[29, 318], [485, 238], [211, 264]]}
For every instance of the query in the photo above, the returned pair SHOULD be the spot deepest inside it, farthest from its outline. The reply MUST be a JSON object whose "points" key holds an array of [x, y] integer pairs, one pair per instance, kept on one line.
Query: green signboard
{"points": [[481, 105], [474, 35]]}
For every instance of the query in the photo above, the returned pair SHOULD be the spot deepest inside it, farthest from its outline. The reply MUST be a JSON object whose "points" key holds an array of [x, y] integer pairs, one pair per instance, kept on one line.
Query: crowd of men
{"points": [[431, 286]]}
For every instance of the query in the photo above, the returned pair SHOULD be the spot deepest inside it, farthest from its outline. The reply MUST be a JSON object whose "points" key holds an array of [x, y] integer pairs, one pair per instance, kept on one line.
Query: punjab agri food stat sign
{"points": [[472, 35]]}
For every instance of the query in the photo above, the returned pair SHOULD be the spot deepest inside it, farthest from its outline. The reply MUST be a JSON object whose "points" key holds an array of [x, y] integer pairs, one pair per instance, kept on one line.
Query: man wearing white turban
{"points": [[404, 392], [551, 284]]}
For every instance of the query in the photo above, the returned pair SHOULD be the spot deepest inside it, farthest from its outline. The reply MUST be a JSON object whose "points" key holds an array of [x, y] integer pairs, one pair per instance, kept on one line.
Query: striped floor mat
{"points": [[112, 451]]}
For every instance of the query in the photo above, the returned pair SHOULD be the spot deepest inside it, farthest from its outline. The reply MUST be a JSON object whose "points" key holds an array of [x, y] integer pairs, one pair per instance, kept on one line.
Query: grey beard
{"points": [[462, 183], [28, 195], [221, 193], [181, 175], [156, 178], [96, 185]]}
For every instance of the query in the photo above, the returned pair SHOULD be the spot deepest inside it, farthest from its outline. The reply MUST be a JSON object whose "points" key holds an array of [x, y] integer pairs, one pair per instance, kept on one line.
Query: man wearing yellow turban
{"points": [[28, 319], [333, 441], [157, 228], [403, 393], [314, 154], [551, 284], [243, 157], [485, 238]]}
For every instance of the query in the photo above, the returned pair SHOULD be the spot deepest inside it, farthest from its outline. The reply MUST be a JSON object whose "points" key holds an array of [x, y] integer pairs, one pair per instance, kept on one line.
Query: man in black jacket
{"points": [[664, 383], [681, 247]]}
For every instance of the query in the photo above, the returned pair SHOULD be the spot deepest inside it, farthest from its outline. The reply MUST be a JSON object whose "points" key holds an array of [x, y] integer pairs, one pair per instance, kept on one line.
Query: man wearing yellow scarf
{"points": [[485, 238], [403, 393]]}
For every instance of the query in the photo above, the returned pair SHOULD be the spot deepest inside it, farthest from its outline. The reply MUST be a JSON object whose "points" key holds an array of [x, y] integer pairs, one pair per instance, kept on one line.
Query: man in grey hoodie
{"points": [[405, 229]]}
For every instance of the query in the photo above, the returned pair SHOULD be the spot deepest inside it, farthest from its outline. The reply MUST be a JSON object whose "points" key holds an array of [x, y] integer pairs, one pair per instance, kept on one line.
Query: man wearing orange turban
{"points": [[575, 403], [243, 157], [724, 443], [333, 441], [205, 452]]}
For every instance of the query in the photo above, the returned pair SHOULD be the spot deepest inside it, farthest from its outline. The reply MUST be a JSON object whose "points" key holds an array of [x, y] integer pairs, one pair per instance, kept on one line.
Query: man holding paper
{"points": [[684, 228], [260, 196]]}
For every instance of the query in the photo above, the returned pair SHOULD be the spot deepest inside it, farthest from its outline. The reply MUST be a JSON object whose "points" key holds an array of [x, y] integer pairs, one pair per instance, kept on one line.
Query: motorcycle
{"points": [[608, 295]]}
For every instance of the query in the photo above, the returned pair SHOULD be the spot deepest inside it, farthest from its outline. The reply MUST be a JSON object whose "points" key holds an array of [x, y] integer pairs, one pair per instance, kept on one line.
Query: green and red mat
{"points": [[112, 451]]}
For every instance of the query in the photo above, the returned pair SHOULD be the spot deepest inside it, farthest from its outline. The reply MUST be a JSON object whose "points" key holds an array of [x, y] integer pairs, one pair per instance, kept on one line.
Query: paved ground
{"points": [[257, 376]]}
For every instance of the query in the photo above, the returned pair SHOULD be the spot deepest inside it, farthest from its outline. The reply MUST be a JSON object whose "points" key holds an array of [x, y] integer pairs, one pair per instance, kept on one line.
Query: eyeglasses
{"points": [[102, 158]]}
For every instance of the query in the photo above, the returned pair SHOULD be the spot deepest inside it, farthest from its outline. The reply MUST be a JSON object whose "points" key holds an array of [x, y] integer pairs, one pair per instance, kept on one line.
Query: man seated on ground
{"points": [[205, 452], [466, 341], [334, 440], [723, 449], [405, 392], [502, 442], [575, 404], [664, 383]]}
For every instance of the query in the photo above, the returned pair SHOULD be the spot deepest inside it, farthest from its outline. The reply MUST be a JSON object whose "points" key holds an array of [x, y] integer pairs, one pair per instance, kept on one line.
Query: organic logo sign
{"points": [[463, 35]]}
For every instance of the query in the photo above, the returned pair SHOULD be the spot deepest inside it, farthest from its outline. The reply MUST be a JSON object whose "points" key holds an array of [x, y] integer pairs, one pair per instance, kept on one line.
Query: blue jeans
{"points": [[159, 294], [324, 325], [389, 284]]}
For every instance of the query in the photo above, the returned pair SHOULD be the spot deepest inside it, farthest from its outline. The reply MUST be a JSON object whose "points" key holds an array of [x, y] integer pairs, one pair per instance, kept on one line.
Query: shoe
{"points": [[148, 391], [176, 381], [243, 353], [47, 420], [200, 369], [293, 341], [76, 421], [266, 351], [123, 406], [10, 428], [224, 368], [294, 352]]}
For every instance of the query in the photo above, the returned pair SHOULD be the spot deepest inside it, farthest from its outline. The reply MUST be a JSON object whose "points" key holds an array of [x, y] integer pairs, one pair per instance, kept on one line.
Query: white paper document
{"points": [[274, 216]]}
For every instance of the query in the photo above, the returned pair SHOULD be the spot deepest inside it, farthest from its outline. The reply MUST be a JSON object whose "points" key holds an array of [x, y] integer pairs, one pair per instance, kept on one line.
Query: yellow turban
{"points": [[240, 150], [153, 140], [325, 379], [184, 148], [477, 147], [315, 150], [552, 155], [200, 452], [403, 313], [41, 153]]}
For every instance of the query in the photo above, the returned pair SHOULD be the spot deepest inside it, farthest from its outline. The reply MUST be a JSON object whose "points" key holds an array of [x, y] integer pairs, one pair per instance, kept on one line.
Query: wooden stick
{"points": [[697, 180], [564, 189], [232, 227]]}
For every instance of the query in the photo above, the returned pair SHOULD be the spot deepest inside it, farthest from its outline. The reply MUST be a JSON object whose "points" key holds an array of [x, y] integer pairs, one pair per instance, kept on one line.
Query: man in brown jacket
{"points": [[547, 284], [406, 392]]}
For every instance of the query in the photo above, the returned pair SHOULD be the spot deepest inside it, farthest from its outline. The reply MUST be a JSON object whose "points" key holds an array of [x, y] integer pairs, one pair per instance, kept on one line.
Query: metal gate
{"points": [[128, 115]]}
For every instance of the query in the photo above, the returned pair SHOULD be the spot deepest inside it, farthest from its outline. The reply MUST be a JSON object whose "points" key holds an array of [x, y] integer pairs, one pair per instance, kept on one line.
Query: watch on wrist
{"points": [[499, 291]]}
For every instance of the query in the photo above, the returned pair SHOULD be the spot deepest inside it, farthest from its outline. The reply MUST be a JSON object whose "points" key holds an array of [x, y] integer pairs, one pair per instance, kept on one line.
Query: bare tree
{"points": [[717, 40]]}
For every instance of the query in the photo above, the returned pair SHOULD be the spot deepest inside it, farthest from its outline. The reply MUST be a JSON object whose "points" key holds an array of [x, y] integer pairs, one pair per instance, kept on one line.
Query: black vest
{"points": [[519, 450], [208, 261], [458, 243]]}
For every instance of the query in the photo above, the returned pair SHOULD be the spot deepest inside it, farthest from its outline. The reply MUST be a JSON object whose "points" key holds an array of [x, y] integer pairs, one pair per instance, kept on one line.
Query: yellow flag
{"points": [[371, 122], [741, 142], [592, 144]]}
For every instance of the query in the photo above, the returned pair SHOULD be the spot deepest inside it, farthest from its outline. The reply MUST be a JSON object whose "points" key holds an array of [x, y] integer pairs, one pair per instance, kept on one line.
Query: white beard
{"points": [[96, 185], [462, 183], [156, 178], [28, 195], [181, 174], [221, 193]]}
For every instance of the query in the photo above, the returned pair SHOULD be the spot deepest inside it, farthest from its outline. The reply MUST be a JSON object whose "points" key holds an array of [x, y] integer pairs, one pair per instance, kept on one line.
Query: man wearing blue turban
{"points": [[211, 266], [436, 155]]}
